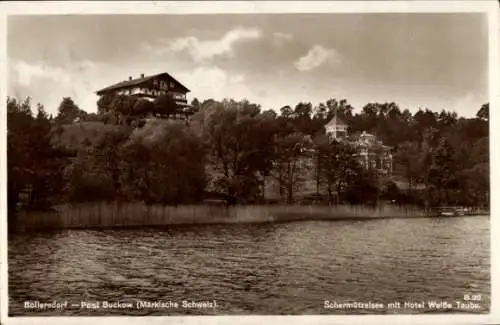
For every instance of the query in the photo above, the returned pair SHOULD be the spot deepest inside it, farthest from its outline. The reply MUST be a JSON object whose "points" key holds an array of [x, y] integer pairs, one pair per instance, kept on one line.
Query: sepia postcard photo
{"points": [[248, 159]]}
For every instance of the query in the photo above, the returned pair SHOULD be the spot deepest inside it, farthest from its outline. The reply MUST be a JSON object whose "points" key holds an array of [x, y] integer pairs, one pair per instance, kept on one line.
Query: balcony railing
{"points": [[178, 96]]}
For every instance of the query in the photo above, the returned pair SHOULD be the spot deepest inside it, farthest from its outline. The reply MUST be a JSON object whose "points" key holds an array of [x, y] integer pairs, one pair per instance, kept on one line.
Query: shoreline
{"points": [[136, 215]]}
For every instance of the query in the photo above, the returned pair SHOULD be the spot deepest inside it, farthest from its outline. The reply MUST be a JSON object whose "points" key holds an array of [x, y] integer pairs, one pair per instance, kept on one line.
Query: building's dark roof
{"points": [[138, 81]]}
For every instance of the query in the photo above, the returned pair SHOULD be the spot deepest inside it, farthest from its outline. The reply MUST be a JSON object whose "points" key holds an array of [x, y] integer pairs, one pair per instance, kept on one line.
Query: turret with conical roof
{"points": [[336, 128]]}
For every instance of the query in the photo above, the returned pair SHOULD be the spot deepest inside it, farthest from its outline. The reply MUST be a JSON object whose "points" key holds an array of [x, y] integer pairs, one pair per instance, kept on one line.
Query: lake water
{"points": [[287, 268]]}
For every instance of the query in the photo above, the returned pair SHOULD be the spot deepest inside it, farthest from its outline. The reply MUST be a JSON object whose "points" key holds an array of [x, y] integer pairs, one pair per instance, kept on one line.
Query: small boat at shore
{"points": [[449, 213], [453, 212]]}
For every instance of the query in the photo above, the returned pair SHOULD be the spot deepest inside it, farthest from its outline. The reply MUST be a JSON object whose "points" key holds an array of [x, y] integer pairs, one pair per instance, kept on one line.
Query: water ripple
{"points": [[260, 268]]}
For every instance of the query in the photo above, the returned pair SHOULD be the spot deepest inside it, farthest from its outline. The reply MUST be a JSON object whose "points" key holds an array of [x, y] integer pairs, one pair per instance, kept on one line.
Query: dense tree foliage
{"points": [[240, 159], [338, 168], [128, 110], [240, 151], [34, 164], [69, 112], [164, 165], [291, 149]]}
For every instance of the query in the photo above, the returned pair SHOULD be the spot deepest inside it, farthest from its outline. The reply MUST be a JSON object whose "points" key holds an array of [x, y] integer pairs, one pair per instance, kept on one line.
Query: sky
{"points": [[428, 60]]}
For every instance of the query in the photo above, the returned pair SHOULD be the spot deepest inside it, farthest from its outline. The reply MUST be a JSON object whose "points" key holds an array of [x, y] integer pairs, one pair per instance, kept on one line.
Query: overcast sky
{"points": [[439, 61]]}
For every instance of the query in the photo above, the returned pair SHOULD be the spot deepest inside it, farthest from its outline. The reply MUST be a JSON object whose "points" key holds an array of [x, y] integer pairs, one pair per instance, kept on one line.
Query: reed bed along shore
{"points": [[109, 215]]}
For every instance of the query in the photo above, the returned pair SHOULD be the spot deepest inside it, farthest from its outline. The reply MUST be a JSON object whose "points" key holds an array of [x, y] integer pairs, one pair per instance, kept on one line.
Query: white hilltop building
{"points": [[336, 128], [371, 152]]}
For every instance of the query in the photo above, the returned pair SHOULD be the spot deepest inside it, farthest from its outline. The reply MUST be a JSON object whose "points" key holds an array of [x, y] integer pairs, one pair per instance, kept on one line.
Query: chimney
{"points": [[129, 78], [142, 75]]}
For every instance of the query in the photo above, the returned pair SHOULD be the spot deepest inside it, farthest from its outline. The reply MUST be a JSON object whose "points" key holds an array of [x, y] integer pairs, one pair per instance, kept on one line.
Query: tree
{"points": [[320, 143], [446, 119], [407, 156], [427, 148], [241, 143], [142, 107], [484, 112], [89, 117], [303, 121], [291, 161], [86, 181], [165, 106], [34, 164], [68, 111], [442, 172], [320, 112], [474, 185], [303, 110], [250, 109], [341, 108], [106, 156], [196, 104], [391, 192], [364, 187], [124, 105], [47, 180], [104, 103], [168, 168], [286, 111], [424, 120], [337, 166], [19, 163], [270, 114]]}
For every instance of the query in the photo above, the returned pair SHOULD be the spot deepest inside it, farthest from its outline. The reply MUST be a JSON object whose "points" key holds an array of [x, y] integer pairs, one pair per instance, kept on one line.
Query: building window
{"points": [[171, 84]]}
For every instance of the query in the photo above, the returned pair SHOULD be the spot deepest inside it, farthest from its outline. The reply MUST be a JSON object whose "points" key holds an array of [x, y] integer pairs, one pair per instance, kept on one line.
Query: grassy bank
{"points": [[104, 215]]}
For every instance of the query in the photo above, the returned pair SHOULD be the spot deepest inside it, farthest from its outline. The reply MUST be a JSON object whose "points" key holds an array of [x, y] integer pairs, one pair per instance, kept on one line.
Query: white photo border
{"points": [[259, 7]]}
